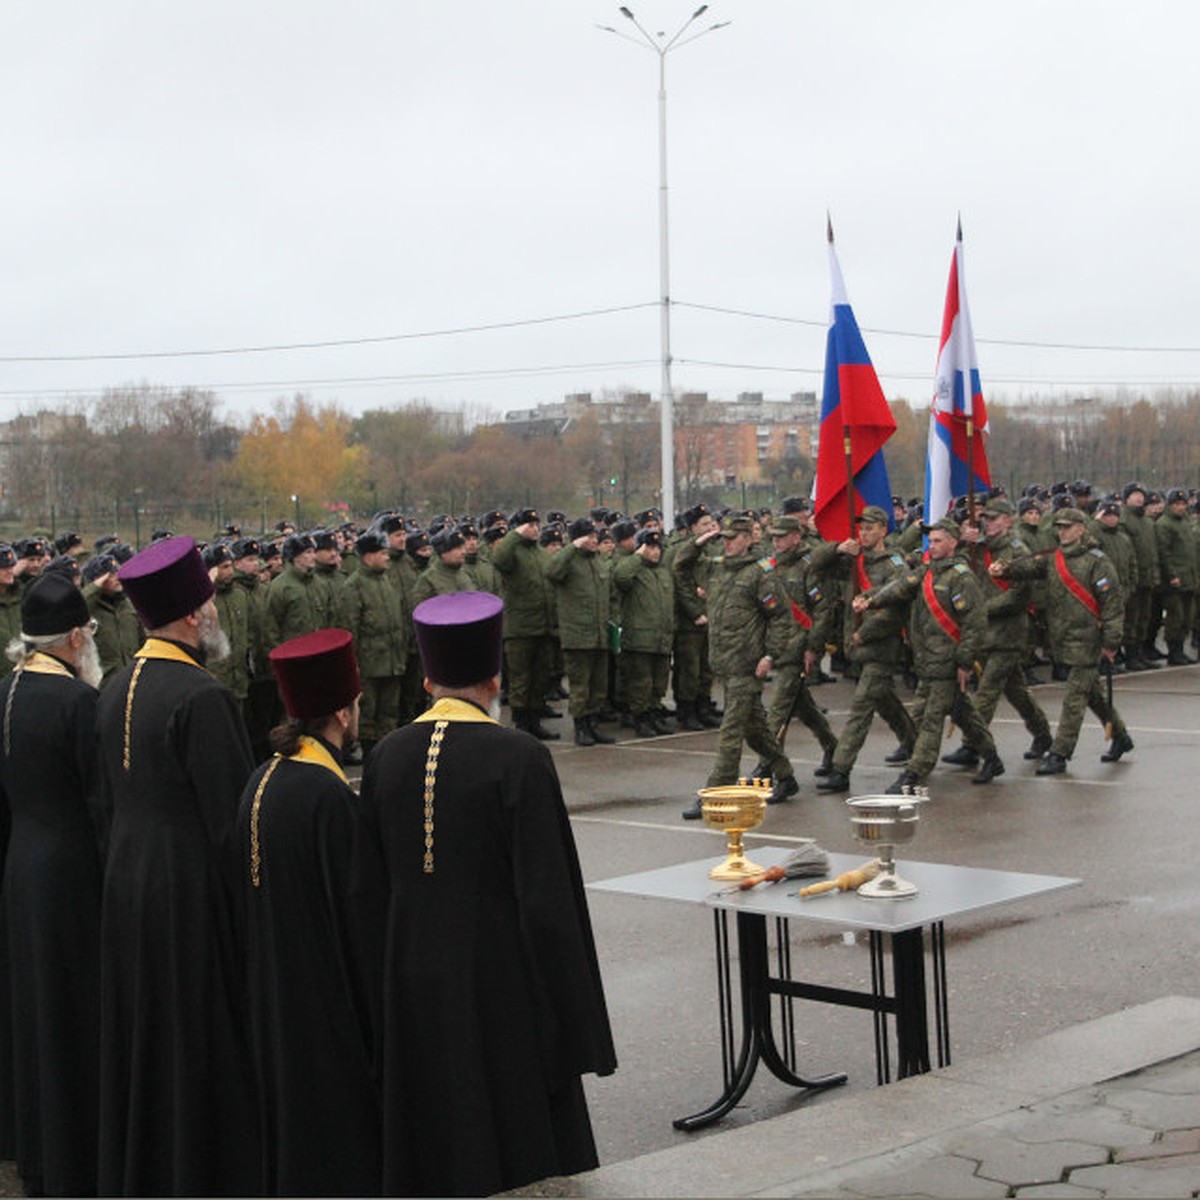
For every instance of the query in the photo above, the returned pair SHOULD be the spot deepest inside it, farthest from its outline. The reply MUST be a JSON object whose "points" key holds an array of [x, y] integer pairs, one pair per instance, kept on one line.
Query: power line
{"points": [[327, 344]]}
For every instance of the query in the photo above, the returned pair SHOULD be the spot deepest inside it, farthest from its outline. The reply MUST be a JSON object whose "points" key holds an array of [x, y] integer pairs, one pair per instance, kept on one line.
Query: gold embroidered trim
{"points": [[12, 691], [133, 679], [431, 766], [255, 855]]}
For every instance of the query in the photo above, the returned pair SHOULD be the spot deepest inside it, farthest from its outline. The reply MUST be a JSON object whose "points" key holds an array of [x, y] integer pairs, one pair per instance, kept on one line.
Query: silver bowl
{"points": [[884, 822]]}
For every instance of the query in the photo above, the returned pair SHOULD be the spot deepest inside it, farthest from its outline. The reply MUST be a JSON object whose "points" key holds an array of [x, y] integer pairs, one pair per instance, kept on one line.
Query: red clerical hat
{"points": [[317, 673]]}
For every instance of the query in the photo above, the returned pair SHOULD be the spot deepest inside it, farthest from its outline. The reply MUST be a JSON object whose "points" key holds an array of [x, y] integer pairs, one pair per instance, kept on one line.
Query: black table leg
{"points": [[758, 1039], [912, 1026]]}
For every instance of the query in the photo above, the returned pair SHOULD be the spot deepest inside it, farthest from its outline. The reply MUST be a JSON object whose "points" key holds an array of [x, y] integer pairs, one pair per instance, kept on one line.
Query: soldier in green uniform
{"points": [[647, 598], [947, 625], [1085, 610], [447, 570], [1139, 601], [810, 609], [1006, 602], [233, 612], [328, 566], [403, 572], [528, 648], [373, 609], [750, 625], [875, 646], [119, 633], [583, 594], [1113, 539], [1178, 569], [10, 605], [296, 602], [689, 572], [261, 709], [484, 576]]}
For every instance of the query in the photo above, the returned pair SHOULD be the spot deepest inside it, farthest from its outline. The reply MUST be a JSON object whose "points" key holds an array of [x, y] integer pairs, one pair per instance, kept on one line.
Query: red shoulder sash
{"points": [[940, 615], [1075, 587]]}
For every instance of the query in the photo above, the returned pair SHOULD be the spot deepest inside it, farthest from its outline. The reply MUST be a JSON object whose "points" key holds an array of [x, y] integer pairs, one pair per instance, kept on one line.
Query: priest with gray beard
{"points": [[177, 1106], [52, 868]]}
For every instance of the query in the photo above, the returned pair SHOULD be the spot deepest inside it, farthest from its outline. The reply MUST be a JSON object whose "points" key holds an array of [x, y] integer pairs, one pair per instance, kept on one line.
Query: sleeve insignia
{"points": [[770, 602], [959, 601], [962, 568], [1102, 584], [815, 594], [898, 560], [767, 564]]}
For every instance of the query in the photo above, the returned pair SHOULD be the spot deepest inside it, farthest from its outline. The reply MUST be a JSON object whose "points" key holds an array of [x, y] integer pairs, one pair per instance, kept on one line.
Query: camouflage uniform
{"points": [[373, 609], [119, 633]]}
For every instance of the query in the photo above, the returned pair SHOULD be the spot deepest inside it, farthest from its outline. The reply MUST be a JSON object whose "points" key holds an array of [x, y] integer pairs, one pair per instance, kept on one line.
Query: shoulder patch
{"points": [[1097, 552], [898, 560], [767, 564], [962, 568], [1102, 585]]}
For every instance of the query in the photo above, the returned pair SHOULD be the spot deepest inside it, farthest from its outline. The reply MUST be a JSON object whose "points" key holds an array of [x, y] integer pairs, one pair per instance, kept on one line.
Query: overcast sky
{"points": [[206, 177]]}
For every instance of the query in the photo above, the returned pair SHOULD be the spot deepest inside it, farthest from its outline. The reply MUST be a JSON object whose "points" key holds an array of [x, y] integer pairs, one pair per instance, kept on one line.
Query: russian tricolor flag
{"points": [[855, 422], [958, 424]]}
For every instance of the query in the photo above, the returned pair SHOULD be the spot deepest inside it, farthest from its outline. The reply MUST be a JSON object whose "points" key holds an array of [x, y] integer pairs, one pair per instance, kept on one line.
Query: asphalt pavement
{"points": [[1126, 937]]}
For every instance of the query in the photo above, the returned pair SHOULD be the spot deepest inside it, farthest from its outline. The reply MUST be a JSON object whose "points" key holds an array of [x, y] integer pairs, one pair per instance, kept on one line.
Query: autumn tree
{"points": [[300, 451]]}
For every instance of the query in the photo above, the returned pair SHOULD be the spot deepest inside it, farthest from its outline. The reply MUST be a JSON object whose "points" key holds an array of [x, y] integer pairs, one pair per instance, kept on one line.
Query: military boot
{"points": [[989, 768], [964, 756], [599, 736], [583, 733], [826, 767], [905, 783], [685, 713]]}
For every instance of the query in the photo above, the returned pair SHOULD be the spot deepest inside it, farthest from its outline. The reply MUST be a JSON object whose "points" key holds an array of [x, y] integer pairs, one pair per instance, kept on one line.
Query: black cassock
{"points": [[492, 1001], [308, 962], [52, 917], [177, 1107]]}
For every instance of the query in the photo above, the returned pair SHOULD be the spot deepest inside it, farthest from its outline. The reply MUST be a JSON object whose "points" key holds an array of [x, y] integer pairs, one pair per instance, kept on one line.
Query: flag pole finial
{"points": [[959, 235], [828, 227]]}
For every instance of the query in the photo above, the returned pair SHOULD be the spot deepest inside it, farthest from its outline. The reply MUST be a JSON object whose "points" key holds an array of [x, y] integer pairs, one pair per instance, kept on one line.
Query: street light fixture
{"points": [[662, 46]]}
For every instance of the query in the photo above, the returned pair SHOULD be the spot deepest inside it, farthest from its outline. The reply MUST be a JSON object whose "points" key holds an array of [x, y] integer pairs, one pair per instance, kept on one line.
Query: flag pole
{"points": [[969, 398]]}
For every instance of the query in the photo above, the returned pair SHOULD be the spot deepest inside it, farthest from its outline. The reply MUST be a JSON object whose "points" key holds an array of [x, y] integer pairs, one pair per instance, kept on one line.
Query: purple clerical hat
{"points": [[317, 673], [459, 635], [166, 581]]}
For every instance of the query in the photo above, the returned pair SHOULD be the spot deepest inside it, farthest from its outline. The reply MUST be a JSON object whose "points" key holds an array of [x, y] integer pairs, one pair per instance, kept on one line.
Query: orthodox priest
{"points": [[309, 959], [177, 1109], [52, 886], [492, 1002]]}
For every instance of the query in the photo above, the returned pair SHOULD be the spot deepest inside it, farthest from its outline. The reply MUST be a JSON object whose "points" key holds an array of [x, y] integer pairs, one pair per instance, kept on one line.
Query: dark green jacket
{"points": [[809, 602], [1119, 547], [749, 614], [296, 604], [936, 653], [647, 597], [1176, 550], [438, 579], [1076, 636], [876, 636], [373, 609], [119, 633], [1006, 600], [256, 618], [521, 565], [233, 610], [582, 597], [1145, 544]]}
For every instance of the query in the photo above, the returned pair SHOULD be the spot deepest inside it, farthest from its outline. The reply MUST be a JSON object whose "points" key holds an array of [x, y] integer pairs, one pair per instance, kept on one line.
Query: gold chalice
{"points": [[736, 808]]}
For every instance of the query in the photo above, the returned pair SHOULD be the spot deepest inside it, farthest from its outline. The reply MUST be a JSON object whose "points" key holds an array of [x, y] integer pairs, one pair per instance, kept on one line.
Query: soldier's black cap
{"points": [[324, 539], [650, 537], [270, 550], [693, 514], [1060, 500], [523, 516], [493, 533], [7, 557], [280, 526], [1110, 504], [122, 552], [98, 566], [556, 516], [370, 542], [1058, 488], [1026, 504], [581, 527], [417, 541], [68, 542], [795, 504], [599, 513], [1177, 496], [551, 535], [468, 530], [25, 547], [1080, 487], [245, 547], [491, 518], [216, 554], [445, 540], [622, 531], [605, 535], [108, 539], [159, 534], [295, 544], [1132, 487], [392, 523], [1153, 497], [64, 564]]}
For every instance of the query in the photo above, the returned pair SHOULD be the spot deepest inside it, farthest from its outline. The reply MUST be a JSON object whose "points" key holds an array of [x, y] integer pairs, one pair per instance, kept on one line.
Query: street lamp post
{"points": [[662, 46]]}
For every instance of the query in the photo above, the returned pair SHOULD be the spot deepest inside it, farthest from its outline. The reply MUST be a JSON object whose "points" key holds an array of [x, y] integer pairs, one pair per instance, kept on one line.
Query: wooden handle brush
{"points": [[846, 881], [808, 860]]}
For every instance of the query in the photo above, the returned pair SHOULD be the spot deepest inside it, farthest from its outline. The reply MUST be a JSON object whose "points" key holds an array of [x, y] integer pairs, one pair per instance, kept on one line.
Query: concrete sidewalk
{"points": [[1107, 1108]]}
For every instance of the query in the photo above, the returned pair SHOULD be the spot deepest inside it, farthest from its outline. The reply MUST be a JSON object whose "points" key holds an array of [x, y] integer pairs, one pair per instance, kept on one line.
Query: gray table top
{"points": [[944, 891]]}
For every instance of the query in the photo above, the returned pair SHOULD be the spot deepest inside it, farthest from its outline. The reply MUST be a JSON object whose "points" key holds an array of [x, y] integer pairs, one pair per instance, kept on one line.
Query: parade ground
{"points": [[1126, 937]]}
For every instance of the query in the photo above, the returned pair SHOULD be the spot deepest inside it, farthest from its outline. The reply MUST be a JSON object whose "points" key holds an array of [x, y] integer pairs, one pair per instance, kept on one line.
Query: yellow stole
{"points": [[443, 713], [310, 751], [45, 664]]}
